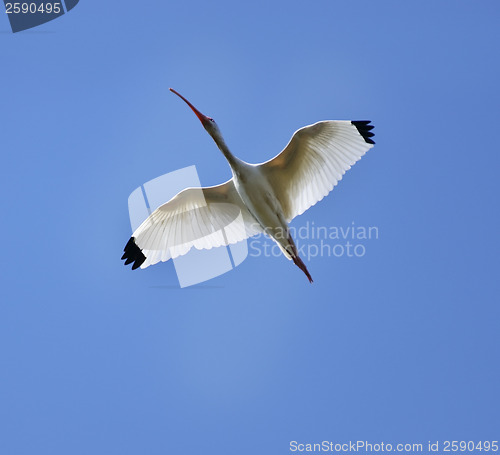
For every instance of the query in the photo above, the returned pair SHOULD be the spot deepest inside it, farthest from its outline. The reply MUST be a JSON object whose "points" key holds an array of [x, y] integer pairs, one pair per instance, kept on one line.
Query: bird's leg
{"points": [[296, 258]]}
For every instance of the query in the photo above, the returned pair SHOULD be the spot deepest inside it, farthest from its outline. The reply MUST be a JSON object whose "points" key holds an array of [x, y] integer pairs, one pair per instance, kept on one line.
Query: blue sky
{"points": [[401, 345]]}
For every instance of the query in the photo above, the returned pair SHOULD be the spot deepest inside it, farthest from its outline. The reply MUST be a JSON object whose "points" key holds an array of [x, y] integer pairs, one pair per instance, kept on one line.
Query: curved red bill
{"points": [[202, 117]]}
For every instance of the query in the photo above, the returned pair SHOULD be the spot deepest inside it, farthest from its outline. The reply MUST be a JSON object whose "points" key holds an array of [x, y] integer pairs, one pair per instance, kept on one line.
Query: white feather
{"points": [[202, 218], [312, 163]]}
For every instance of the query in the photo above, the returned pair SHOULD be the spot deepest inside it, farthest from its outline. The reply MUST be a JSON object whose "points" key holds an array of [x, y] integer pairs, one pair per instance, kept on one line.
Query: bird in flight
{"points": [[263, 197]]}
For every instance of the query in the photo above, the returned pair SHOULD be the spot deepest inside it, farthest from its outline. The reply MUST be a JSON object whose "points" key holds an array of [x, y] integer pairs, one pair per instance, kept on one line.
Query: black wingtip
{"points": [[364, 127], [133, 254]]}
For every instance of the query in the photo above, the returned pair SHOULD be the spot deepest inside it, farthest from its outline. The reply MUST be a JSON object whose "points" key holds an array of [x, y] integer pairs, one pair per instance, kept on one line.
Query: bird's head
{"points": [[207, 122]]}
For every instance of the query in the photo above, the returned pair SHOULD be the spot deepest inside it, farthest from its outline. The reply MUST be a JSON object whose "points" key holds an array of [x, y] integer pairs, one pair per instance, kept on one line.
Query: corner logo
{"points": [[196, 265], [31, 13]]}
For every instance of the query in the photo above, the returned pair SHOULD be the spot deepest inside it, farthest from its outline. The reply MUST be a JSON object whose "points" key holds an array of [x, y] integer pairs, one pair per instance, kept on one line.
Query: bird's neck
{"points": [[231, 159]]}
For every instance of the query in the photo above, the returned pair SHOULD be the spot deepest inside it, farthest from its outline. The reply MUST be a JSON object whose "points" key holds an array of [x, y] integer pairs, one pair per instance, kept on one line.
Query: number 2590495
{"points": [[32, 8]]}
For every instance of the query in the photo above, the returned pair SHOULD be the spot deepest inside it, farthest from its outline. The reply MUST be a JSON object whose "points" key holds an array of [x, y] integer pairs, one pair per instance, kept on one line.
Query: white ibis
{"points": [[266, 195]]}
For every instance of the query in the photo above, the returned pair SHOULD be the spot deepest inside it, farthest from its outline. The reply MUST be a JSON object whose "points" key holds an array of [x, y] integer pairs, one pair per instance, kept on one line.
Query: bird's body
{"points": [[258, 197], [265, 197]]}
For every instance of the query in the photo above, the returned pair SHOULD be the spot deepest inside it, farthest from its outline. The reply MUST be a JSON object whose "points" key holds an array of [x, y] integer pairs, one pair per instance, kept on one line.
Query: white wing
{"points": [[314, 161], [196, 217]]}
